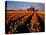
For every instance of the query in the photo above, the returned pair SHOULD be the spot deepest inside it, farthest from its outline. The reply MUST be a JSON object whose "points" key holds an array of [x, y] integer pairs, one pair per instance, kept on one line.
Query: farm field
{"points": [[16, 14], [25, 18]]}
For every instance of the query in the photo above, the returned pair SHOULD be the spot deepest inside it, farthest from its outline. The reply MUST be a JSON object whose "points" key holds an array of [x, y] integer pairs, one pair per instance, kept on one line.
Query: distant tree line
{"points": [[31, 9]]}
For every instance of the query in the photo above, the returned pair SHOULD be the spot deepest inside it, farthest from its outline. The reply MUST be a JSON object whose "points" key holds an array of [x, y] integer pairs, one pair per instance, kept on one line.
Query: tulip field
{"points": [[24, 22]]}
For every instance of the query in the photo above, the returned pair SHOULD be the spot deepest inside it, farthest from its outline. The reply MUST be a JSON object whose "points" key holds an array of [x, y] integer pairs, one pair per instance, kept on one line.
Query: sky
{"points": [[17, 5]]}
